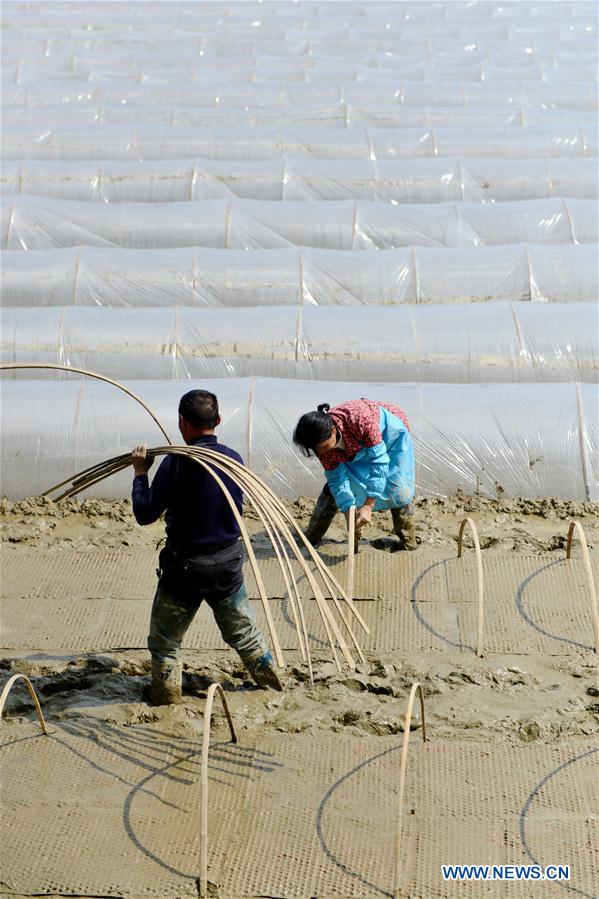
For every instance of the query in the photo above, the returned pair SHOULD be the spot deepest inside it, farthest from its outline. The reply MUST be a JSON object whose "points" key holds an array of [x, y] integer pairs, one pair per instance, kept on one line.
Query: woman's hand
{"points": [[363, 516]]}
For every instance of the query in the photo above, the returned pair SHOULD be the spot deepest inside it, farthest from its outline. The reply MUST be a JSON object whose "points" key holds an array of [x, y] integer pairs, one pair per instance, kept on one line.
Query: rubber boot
{"points": [[403, 525], [263, 672], [322, 516], [166, 682]]}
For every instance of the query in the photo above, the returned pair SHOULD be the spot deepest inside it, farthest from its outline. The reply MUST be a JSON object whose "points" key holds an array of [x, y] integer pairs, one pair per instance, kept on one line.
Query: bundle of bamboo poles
{"points": [[283, 533], [279, 524]]}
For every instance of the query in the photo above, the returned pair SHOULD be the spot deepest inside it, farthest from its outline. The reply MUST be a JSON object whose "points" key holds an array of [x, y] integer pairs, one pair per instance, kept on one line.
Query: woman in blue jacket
{"points": [[367, 453]]}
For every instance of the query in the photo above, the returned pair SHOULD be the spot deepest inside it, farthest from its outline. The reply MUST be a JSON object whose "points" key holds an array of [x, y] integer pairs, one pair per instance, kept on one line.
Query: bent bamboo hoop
{"points": [[89, 374], [576, 526], [8, 687], [402, 776], [479, 569], [212, 689]]}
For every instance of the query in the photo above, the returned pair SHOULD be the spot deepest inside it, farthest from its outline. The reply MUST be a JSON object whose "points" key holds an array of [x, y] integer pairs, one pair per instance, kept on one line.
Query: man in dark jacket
{"points": [[203, 556]]}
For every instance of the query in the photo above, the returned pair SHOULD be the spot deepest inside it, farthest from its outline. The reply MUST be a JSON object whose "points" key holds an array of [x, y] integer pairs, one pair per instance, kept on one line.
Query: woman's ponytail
{"points": [[324, 407]]}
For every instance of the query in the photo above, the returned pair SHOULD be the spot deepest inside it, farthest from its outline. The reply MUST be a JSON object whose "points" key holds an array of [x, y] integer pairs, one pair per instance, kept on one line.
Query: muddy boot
{"points": [[165, 688], [322, 516], [263, 672], [403, 525]]}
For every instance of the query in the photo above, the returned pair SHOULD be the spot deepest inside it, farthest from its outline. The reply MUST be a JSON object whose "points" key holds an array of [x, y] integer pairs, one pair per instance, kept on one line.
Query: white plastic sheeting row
{"points": [[213, 278], [312, 13], [345, 28], [24, 64], [100, 142], [390, 181], [552, 31], [471, 343], [438, 16], [558, 95], [344, 69], [38, 223], [78, 51], [339, 115], [525, 439]]}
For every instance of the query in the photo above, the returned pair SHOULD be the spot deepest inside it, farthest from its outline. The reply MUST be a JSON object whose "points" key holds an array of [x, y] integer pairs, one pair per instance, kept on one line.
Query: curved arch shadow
{"points": [[228, 747], [524, 614], [526, 808], [420, 617], [319, 828]]}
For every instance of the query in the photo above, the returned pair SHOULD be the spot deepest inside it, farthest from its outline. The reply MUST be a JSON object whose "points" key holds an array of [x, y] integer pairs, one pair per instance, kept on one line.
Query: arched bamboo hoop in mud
{"points": [[576, 526], [212, 689], [481, 588], [89, 374], [416, 688], [269, 508], [8, 687]]}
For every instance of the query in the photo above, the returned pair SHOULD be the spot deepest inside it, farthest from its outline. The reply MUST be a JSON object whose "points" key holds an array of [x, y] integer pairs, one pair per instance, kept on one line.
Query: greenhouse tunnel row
{"points": [[35, 223], [110, 276], [469, 343], [402, 181]]}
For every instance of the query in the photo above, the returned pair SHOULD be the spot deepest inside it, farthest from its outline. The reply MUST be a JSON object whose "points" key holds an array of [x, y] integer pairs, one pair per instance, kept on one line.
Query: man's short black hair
{"points": [[200, 409]]}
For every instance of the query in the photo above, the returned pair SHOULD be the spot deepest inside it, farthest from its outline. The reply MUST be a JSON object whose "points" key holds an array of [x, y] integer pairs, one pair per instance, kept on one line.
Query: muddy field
{"points": [[541, 698], [516, 700]]}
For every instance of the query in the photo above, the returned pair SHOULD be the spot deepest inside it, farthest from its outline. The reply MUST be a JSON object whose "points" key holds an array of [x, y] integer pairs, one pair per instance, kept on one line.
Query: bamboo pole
{"points": [[212, 689], [327, 576], [8, 687], [576, 526], [402, 777], [286, 569], [6, 366], [293, 546], [479, 570], [351, 542]]}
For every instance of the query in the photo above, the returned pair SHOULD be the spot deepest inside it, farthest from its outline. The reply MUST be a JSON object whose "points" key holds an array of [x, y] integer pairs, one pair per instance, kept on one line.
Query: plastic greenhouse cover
{"points": [[564, 95], [523, 439], [29, 62], [342, 68], [209, 277], [34, 223], [312, 14], [338, 115], [145, 142], [395, 181], [471, 343], [77, 54]]}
